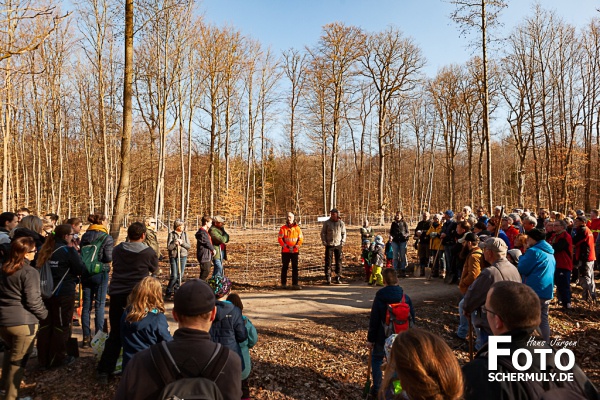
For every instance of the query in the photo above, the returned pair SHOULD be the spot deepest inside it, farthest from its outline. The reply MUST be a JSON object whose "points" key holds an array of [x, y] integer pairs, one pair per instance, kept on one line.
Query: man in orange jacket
{"points": [[290, 240]]}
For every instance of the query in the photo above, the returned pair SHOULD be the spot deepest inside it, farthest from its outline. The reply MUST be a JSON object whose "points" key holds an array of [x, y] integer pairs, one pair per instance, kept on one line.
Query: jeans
{"points": [[330, 253], [174, 281], [376, 362], [399, 256], [562, 280], [544, 324], [19, 344], [463, 325], [218, 270], [112, 346], [94, 291], [285, 264], [448, 258]]}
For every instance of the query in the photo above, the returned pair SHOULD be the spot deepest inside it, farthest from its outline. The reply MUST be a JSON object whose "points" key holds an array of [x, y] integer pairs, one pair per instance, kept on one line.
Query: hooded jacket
{"points": [[537, 267], [471, 269], [20, 298], [132, 262], [105, 252], [383, 297], [228, 328], [140, 335]]}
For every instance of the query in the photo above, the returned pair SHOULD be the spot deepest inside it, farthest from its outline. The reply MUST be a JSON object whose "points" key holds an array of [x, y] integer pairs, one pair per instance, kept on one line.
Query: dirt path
{"points": [[274, 307]]}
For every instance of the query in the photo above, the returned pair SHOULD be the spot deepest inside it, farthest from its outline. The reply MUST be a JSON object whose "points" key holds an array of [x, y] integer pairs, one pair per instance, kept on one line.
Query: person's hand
{"points": [[370, 345], [443, 235], [214, 252], [179, 242], [324, 243], [291, 249]]}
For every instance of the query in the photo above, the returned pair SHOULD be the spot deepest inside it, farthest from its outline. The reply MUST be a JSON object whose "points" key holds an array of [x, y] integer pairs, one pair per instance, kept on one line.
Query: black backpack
{"points": [[178, 386]]}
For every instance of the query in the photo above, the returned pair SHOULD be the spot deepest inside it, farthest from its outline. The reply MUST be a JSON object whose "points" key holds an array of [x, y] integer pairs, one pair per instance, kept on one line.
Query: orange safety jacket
{"points": [[290, 236], [594, 225]]}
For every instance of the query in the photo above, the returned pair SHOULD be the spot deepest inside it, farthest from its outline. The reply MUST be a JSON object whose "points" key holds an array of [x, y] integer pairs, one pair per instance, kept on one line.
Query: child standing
{"points": [[389, 254], [143, 322], [246, 345], [228, 327], [377, 258]]}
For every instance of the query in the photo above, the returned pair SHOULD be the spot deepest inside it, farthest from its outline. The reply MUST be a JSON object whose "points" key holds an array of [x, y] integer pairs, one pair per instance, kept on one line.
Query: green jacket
{"points": [[219, 237]]}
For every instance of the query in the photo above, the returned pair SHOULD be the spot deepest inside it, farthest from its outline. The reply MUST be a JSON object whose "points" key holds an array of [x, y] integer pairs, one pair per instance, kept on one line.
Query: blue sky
{"points": [[296, 23]]}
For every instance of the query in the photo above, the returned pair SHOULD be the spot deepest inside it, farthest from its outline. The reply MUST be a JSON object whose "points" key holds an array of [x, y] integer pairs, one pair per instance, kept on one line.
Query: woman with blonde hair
{"points": [[144, 322], [422, 367]]}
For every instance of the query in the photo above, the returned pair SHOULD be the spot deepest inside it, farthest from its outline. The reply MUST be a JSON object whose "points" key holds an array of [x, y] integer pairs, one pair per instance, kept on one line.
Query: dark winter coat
{"points": [[65, 260], [20, 298], [204, 246], [478, 385], [228, 328], [191, 349], [132, 262], [383, 297], [449, 228], [139, 335], [399, 231]]}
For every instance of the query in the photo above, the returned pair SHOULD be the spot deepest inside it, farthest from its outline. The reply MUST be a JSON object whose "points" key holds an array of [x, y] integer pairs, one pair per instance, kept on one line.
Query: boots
{"points": [[87, 342]]}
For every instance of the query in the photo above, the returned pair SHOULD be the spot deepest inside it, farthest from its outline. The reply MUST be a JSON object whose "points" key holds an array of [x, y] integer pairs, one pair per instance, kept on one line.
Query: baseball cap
{"points": [[193, 298], [219, 219], [496, 245], [580, 212]]}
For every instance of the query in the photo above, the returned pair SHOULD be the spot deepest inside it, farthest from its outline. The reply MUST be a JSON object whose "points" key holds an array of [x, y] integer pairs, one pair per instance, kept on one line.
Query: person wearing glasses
{"points": [[21, 308], [151, 239], [67, 268], [500, 269], [512, 310]]}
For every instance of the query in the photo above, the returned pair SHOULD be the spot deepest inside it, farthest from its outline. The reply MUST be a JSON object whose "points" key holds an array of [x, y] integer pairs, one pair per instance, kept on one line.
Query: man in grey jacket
{"points": [[333, 237], [500, 269]]}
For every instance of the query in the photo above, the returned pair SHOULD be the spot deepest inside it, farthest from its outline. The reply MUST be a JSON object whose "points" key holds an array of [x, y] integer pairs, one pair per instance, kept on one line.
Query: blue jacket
{"points": [[228, 328], [140, 335], [537, 267], [383, 297]]}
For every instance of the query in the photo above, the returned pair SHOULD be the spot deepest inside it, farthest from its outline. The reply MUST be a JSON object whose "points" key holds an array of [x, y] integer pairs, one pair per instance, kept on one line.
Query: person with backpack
{"points": [[99, 245], [228, 326], [21, 309], [67, 267], [143, 322], [512, 309], [391, 296], [377, 261], [178, 246], [246, 345], [189, 365], [132, 261]]}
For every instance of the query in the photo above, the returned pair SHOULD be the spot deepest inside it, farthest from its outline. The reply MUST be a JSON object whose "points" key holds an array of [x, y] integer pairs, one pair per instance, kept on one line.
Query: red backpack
{"points": [[397, 318]]}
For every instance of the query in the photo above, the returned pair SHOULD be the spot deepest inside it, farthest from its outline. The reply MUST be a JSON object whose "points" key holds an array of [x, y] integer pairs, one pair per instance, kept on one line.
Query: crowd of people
{"points": [[495, 261]]}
